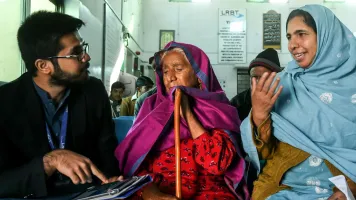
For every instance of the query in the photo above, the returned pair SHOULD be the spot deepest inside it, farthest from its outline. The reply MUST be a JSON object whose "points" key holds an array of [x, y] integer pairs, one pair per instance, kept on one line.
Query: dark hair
{"points": [[150, 60], [117, 85], [308, 19], [39, 35], [143, 80]]}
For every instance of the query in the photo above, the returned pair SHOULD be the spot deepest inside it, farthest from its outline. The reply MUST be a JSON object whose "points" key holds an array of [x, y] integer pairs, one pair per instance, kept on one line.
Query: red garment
{"points": [[204, 161]]}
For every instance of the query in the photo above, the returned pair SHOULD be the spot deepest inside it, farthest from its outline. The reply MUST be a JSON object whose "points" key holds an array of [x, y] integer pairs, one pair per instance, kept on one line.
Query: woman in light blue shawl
{"points": [[307, 131]]}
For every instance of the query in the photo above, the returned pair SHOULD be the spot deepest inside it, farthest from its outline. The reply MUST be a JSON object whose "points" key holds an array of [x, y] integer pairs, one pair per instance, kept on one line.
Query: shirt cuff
{"points": [[263, 127]]}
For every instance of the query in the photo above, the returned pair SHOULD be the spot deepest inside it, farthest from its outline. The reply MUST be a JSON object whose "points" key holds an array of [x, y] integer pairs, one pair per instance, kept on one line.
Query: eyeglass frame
{"points": [[85, 47]]}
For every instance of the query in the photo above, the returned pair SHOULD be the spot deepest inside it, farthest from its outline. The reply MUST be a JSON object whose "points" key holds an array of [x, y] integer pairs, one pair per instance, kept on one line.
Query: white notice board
{"points": [[232, 36]]}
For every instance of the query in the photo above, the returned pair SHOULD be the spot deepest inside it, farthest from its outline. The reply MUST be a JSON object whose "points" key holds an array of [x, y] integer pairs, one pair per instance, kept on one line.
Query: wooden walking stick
{"points": [[178, 97]]}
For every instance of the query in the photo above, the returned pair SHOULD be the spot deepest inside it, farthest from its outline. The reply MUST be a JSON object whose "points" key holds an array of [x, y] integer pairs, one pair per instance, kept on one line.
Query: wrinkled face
{"points": [[258, 71], [70, 70], [302, 42], [177, 71], [117, 93]]}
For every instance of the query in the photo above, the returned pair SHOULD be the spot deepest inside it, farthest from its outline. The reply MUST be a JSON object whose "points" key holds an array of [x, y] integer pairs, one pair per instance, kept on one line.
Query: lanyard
{"points": [[63, 133]]}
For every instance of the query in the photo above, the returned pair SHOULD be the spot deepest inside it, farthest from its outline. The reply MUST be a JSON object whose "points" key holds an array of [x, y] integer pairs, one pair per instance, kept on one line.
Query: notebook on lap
{"points": [[115, 190]]}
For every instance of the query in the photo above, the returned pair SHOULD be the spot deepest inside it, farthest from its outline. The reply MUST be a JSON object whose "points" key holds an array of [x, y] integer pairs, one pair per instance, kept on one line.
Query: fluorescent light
{"points": [[198, 1], [278, 1], [258, 1], [334, 1], [193, 1], [180, 1], [350, 1]]}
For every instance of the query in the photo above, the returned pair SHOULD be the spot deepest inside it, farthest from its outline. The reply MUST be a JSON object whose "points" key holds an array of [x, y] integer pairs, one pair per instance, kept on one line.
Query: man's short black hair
{"points": [[118, 85], [150, 60], [39, 35]]}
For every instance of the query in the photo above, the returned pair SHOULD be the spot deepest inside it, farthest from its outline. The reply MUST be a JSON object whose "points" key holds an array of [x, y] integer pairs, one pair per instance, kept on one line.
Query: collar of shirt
{"points": [[134, 97], [46, 99]]}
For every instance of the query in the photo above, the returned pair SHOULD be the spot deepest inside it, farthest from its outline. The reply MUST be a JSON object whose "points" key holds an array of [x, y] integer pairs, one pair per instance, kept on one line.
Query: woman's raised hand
{"points": [[263, 96], [186, 112]]}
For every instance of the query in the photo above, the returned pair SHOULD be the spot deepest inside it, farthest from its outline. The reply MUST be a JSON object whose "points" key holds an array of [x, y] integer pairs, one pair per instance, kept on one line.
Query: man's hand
{"points": [[115, 178], [77, 167], [263, 96]]}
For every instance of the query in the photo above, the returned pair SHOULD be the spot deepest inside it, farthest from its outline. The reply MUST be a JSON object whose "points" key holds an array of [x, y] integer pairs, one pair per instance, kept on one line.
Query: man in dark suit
{"points": [[56, 129]]}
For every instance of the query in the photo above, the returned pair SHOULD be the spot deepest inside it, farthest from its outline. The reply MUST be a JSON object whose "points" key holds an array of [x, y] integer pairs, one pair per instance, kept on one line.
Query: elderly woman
{"points": [[307, 131], [211, 165]]}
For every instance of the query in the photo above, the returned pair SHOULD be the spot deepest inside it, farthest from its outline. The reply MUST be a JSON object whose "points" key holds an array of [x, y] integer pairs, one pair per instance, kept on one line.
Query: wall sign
{"points": [[232, 36], [271, 30], [165, 36]]}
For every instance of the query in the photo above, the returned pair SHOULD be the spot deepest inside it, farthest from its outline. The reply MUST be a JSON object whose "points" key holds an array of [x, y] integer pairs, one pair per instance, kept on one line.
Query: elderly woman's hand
{"points": [[185, 110], [263, 96]]}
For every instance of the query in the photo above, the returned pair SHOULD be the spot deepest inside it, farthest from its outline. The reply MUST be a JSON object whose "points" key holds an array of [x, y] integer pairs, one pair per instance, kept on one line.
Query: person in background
{"points": [[306, 132], [116, 92], [143, 84], [147, 94], [266, 61], [211, 162], [56, 130]]}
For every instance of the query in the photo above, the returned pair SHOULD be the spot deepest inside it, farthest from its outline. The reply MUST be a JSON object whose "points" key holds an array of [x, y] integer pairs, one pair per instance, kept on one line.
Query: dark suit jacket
{"points": [[243, 103], [23, 137]]}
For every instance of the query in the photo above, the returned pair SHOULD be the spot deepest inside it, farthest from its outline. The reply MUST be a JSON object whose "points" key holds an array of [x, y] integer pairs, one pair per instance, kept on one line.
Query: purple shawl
{"points": [[153, 128]]}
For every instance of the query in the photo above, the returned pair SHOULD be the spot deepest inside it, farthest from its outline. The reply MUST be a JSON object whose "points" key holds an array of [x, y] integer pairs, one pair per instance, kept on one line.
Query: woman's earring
{"points": [[200, 85]]}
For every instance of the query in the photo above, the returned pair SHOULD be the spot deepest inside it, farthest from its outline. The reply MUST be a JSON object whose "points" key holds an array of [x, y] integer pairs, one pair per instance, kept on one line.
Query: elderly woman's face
{"points": [[177, 71], [302, 42]]}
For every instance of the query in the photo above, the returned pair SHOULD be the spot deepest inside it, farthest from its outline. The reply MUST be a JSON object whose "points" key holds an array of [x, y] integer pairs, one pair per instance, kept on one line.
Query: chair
{"points": [[122, 126]]}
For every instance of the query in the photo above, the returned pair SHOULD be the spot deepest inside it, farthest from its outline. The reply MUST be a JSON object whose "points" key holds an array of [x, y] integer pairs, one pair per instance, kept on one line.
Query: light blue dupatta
{"points": [[316, 111]]}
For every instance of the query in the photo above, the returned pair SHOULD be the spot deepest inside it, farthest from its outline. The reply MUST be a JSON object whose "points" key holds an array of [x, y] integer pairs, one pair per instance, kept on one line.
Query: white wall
{"points": [[37, 5], [132, 18], [10, 60], [11, 16], [197, 23]]}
